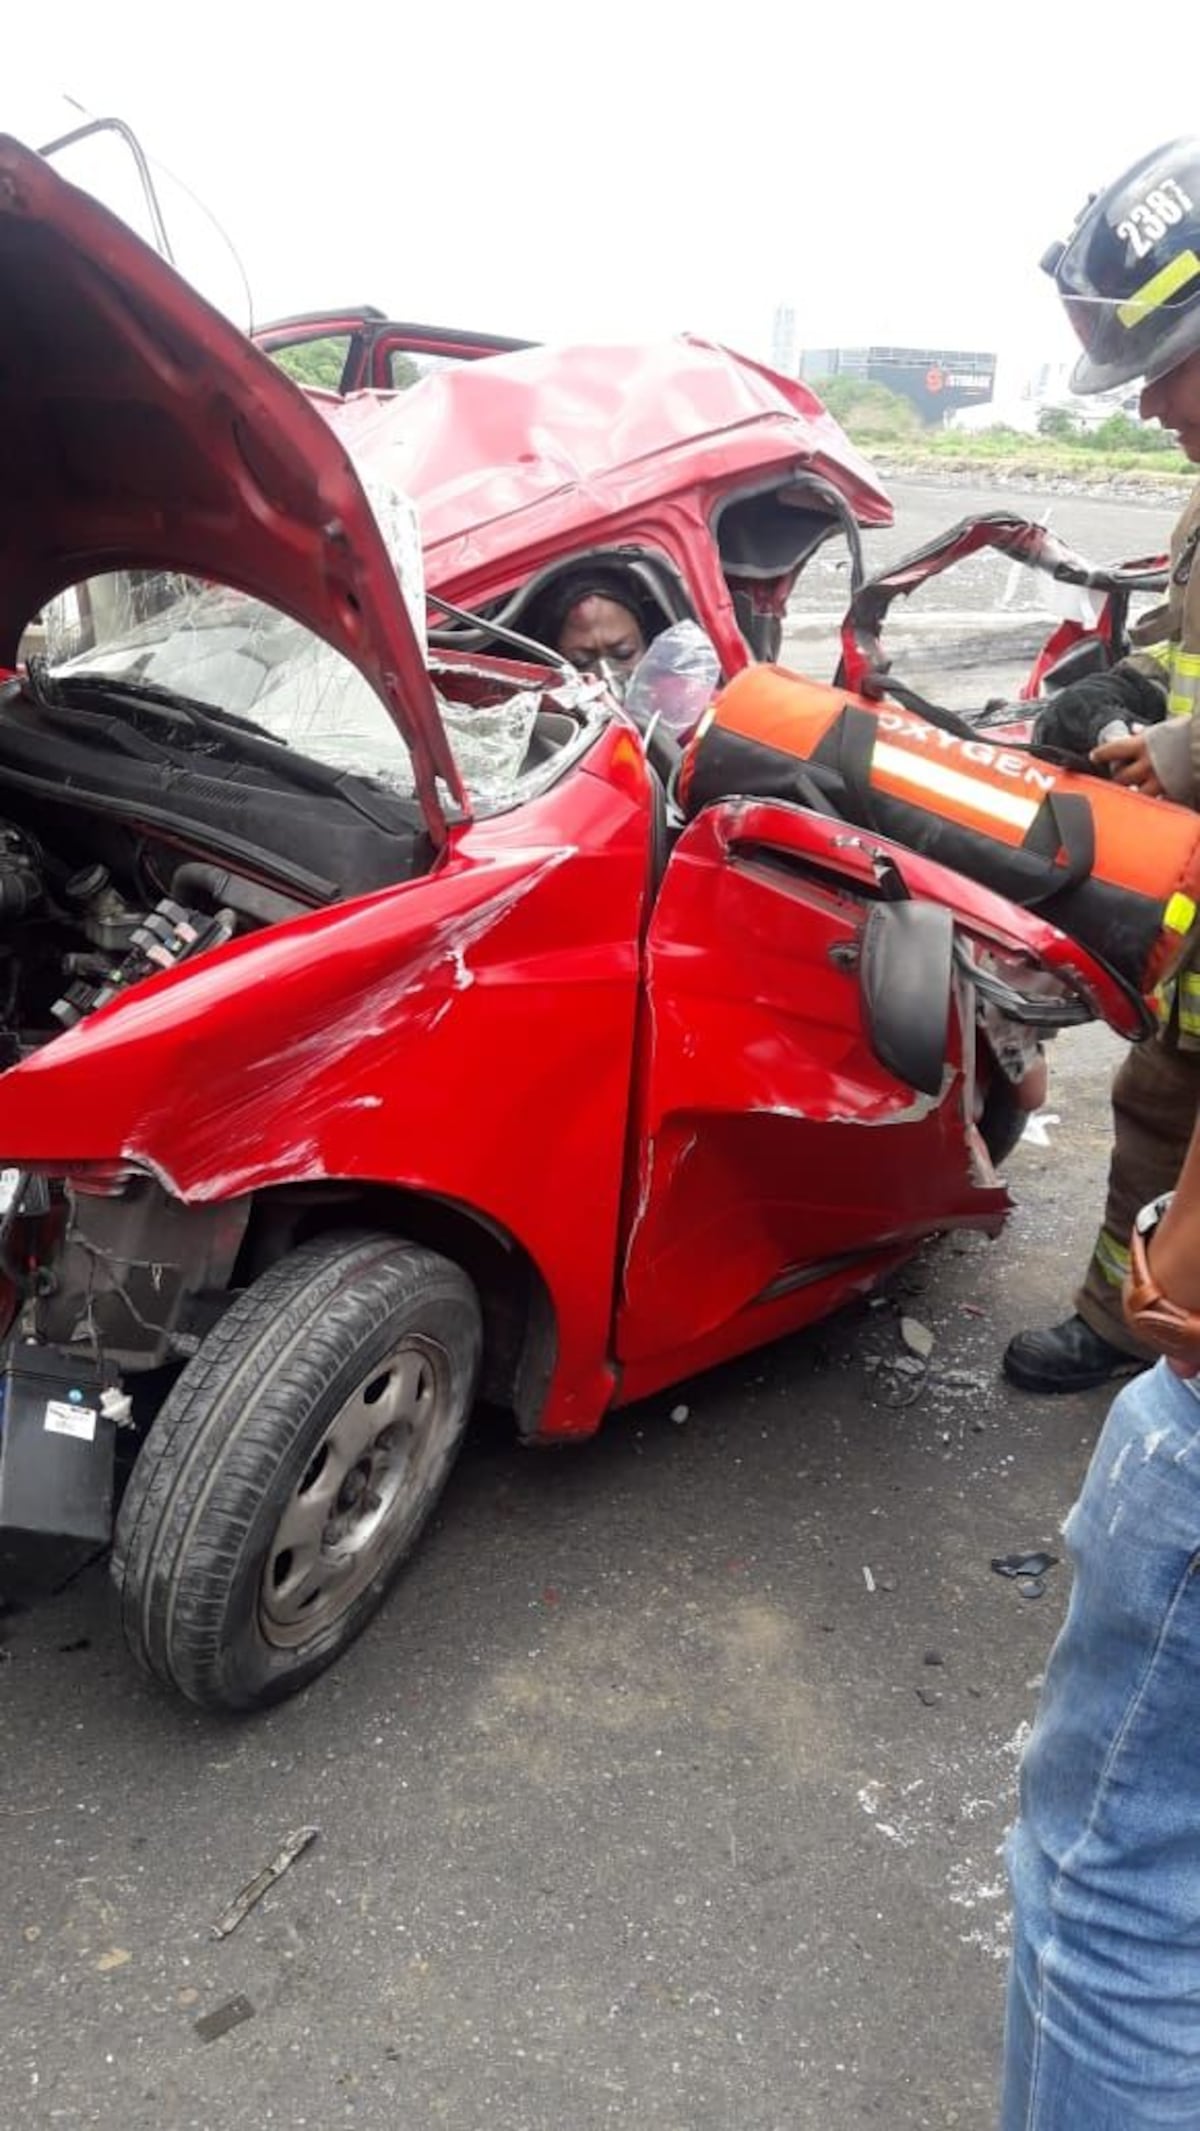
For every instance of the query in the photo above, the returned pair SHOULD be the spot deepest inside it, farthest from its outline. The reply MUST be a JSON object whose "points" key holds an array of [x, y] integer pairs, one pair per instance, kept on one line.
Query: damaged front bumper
{"points": [[105, 1277]]}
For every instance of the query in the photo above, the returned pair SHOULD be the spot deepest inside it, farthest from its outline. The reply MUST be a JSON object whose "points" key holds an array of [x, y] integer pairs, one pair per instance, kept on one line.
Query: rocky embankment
{"points": [[1137, 486]]}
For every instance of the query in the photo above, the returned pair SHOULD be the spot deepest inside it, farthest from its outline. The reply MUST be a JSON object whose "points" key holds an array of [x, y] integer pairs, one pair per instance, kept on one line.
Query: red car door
{"points": [[777, 1164]]}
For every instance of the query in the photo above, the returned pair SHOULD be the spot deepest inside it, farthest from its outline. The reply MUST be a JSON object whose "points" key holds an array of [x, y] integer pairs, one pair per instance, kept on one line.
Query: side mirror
{"points": [[905, 984]]}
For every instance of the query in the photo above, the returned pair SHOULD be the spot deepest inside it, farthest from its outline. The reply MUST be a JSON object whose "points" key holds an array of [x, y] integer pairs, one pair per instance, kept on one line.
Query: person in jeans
{"points": [[1103, 2025]]}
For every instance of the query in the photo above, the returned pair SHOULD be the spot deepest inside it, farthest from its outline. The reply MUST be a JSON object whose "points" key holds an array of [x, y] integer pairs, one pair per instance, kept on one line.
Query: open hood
{"points": [[556, 447], [139, 429]]}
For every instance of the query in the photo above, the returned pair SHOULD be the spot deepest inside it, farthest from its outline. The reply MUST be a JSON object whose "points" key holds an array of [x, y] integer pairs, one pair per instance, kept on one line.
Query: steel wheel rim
{"points": [[361, 1493]]}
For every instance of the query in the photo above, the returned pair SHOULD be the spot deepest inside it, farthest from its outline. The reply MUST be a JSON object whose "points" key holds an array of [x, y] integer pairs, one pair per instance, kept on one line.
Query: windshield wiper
{"points": [[224, 729], [48, 686]]}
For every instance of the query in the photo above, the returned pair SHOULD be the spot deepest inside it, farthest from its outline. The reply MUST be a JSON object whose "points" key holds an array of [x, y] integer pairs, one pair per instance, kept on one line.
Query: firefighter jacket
{"points": [[1168, 650]]}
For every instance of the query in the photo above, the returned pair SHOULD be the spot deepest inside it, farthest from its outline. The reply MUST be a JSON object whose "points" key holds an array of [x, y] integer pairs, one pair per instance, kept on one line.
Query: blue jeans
{"points": [[1103, 2029]]}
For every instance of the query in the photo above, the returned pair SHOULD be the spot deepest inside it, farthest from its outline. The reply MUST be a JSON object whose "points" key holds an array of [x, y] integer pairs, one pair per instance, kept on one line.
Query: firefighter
{"points": [[1129, 278]]}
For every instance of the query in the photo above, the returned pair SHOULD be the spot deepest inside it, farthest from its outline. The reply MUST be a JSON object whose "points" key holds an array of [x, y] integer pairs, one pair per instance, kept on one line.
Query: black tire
{"points": [[235, 1505], [1002, 1120]]}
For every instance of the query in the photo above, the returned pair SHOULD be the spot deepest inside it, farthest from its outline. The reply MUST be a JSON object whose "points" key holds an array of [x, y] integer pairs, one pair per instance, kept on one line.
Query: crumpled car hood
{"points": [[139, 429]]}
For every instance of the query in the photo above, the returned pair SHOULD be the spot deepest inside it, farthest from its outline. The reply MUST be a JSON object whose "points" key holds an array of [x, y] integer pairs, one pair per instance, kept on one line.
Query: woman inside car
{"points": [[594, 618]]}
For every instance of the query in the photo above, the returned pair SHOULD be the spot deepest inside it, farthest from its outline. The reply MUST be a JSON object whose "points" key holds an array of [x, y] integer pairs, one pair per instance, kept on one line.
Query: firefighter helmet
{"points": [[1129, 273]]}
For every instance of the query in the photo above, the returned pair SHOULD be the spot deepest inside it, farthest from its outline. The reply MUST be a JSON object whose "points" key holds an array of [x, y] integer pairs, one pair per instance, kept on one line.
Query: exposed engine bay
{"points": [[137, 830]]}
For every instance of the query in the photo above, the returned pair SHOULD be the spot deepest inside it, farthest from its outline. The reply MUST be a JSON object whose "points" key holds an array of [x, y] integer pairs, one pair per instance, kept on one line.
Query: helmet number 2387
{"points": [[1153, 216]]}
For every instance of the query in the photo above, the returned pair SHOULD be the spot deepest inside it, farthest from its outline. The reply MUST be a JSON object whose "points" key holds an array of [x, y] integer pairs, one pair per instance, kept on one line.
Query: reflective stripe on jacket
{"points": [[1180, 673], [1177, 1004]]}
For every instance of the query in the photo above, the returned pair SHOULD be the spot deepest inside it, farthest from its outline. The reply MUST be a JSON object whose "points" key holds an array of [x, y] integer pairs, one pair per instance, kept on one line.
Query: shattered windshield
{"points": [[230, 653]]}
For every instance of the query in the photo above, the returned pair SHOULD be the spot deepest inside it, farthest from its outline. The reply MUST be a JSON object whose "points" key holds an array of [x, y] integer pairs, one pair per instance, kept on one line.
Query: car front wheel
{"points": [[289, 1473]]}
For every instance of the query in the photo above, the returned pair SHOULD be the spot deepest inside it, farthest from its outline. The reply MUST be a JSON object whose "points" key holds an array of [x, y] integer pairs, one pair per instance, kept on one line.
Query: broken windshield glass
{"points": [[225, 650]]}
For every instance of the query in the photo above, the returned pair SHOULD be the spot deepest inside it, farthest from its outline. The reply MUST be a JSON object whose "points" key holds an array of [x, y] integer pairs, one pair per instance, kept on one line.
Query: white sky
{"points": [[893, 171]]}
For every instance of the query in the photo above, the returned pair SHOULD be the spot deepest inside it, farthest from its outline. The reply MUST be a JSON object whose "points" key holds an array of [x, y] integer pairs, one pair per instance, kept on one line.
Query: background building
{"points": [[937, 380]]}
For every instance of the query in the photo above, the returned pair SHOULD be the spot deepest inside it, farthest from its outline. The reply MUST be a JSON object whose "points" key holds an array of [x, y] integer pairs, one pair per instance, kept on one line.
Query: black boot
{"points": [[1066, 1357]]}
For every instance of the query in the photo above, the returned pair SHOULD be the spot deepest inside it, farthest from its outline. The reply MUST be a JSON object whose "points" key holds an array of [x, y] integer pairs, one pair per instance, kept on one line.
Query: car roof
{"points": [[554, 447]]}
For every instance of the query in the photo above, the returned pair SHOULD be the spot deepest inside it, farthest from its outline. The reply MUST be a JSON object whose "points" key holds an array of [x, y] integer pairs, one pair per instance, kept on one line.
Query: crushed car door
{"points": [[772, 1149]]}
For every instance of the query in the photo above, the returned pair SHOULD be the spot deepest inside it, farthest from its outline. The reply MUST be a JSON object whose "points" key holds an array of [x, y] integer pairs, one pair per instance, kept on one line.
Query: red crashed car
{"points": [[373, 1036]]}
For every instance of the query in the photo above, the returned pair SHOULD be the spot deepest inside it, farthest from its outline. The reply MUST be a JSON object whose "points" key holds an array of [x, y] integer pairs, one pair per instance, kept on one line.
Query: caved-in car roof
{"points": [[524, 455]]}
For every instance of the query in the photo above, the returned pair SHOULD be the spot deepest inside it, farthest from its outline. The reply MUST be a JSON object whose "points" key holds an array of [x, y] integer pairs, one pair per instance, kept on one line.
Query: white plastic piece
{"points": [[116, 1406]]}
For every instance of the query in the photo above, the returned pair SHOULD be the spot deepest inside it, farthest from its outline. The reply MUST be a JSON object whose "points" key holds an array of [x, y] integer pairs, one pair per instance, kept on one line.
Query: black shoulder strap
{"points": [[1064, 823], [853, 735], [878, 687]]}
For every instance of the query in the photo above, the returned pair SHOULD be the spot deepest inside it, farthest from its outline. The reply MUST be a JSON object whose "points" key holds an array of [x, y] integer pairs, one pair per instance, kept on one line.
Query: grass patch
{"points": [[887, 427]]}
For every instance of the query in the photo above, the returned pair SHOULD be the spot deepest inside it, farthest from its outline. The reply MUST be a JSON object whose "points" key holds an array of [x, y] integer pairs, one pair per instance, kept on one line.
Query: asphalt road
{"points": [[972, 632], [667, 1791], [1103, 527]]}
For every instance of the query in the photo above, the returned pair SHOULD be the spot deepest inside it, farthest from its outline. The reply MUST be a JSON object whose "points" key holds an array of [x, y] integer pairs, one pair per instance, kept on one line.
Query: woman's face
{"points": [[599, 632]]}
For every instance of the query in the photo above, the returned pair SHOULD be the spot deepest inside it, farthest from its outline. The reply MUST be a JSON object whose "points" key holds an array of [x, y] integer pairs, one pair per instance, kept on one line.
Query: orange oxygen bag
{"points": [[1117, 871]]}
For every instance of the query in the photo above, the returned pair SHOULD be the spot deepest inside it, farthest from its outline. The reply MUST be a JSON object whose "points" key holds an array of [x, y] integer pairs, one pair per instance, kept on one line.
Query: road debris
{"points": [[1027, 1571], [917, 1337], [898, 1377], [293, 1847], [679, 1415], [1036, 1133], [211, 2026], [897, 1390], [868, 1579], [1015, 1565], [116, 1957]]}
